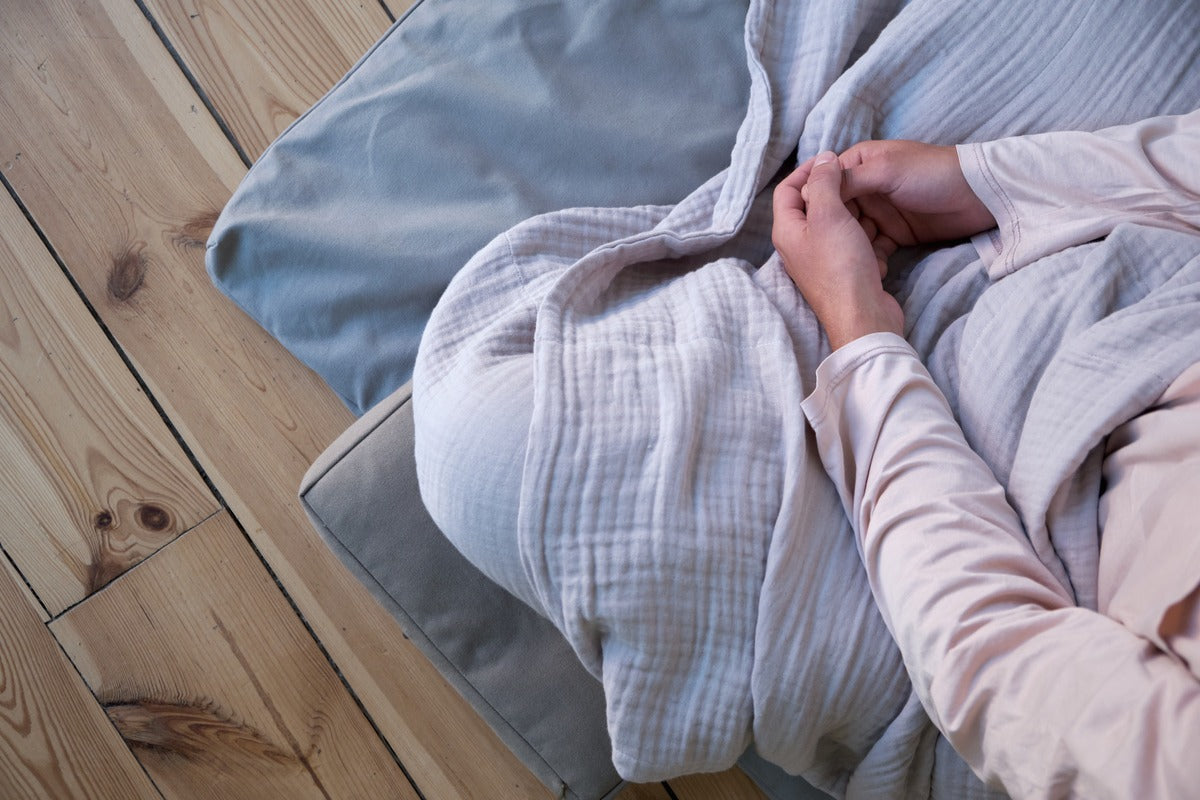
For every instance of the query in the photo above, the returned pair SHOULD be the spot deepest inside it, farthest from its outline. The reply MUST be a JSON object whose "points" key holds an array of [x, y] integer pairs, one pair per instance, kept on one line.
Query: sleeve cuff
{"points": [[996, 257], [840, 364]]}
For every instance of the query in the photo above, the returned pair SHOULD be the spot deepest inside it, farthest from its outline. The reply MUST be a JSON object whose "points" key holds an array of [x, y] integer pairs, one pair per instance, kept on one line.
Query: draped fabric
{"points": [[673, 517]]}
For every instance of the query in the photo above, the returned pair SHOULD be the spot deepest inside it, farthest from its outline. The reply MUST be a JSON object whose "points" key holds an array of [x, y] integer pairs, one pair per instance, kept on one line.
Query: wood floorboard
{"points": [[644, 791], [22, 585], [206, 672], [120, 168], [295, 52], [92, 481], [113, 153], [55, 741], [732, 784]]}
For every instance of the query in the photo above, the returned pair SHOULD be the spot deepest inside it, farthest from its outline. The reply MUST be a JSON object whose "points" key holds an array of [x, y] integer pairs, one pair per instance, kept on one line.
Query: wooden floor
{"points": [[170, 625]]}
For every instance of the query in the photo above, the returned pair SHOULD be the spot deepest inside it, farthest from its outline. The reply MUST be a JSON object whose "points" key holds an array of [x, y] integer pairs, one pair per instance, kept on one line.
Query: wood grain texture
{"points": [[264, 62], [122, 169], [55, 742], [19, 581], [732, 784], [644, 791], [261, 63], [91, 481], [212, 680]]}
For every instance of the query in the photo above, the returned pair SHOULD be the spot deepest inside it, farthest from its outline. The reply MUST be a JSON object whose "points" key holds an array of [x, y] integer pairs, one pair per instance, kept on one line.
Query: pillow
{"points": [[467, 117], [512, 665], [509, 663]]}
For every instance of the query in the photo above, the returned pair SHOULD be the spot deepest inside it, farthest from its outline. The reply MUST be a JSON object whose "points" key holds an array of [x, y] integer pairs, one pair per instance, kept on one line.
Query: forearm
{"points": [[1033, 692], [1055, 190]]}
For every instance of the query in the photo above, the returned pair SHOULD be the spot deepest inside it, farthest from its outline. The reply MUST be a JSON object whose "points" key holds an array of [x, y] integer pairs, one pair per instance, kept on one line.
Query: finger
{"points": [[824, 195], [869, 227], [799, 176], [884, 247], [787, 204], [855, 211], [854, 155], [882, 260], [789, 199], [890, 222], [870, 176]]}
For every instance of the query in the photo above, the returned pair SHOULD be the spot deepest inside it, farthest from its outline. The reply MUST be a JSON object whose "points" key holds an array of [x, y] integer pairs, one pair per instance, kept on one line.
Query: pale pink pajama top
{"points": [[1040, 696]]}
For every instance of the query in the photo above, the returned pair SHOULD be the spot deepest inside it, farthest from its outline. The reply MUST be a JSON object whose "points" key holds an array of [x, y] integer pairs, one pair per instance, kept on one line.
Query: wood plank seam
{"points": [[218, 625], [187, 73], [145, 389], [295, 610], [112, 723], [142, 562], [226, 701], [16, 570], [265, 696], [325, 652], [387, 11], [84, 695], [112, 340], [83, 682]]}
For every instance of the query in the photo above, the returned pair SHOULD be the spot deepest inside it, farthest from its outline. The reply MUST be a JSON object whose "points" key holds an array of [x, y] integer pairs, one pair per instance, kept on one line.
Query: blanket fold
{"points": [[674, 520]]}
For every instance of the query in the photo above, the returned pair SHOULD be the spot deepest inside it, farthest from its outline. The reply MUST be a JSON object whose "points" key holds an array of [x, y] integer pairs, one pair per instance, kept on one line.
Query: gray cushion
{"points": [[467, 117], [510, 664]]}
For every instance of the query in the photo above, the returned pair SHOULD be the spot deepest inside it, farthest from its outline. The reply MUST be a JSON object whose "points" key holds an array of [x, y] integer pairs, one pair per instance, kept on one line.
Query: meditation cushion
{"points": [[465, 118]]}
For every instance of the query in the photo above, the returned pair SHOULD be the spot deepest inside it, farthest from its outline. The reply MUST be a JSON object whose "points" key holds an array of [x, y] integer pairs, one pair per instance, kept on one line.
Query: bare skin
{"points": [[839, 219]]}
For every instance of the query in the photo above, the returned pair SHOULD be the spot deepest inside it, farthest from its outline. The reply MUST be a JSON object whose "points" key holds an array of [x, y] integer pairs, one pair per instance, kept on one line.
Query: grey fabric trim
{"points": [[511, 665], [363, 427]]}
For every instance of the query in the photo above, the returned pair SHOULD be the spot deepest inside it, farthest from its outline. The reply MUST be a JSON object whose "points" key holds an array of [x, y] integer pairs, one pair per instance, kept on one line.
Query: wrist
{"points": [[977, 195], [853, 320]]}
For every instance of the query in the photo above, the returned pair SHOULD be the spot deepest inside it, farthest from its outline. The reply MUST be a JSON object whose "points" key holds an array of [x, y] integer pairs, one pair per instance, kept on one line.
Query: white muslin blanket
{"points": [[675, 522]]}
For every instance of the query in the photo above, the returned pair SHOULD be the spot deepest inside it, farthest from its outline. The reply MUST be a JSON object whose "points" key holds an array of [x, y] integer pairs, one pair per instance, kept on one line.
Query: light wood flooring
{"points": [[170, 625]]}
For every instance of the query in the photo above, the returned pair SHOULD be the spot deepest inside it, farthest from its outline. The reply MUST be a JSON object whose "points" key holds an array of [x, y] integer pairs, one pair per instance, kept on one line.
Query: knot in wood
{"points": [[103, 520], [195, 232], [128, 272], [152, 517]]}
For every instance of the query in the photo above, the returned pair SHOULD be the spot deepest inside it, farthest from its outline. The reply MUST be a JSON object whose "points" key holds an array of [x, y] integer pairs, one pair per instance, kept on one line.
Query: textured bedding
{"points": [[673, 519]]}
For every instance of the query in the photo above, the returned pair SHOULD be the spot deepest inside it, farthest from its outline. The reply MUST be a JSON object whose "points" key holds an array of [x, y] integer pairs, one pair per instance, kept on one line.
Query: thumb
{"points": [[824, 195], [869, 177]]}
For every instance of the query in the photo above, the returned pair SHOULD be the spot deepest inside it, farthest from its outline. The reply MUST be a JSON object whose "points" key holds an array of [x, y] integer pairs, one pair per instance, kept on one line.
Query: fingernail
{"points": [[825, 157]]}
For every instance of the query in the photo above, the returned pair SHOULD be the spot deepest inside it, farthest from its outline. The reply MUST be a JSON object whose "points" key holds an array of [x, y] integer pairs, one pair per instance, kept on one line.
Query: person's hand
{"points": [[911, 193], [829, 255]]}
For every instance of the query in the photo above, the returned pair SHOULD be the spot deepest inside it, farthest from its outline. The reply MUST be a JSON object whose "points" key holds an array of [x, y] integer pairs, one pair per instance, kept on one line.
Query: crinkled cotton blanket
{"points": [[675, 521]]}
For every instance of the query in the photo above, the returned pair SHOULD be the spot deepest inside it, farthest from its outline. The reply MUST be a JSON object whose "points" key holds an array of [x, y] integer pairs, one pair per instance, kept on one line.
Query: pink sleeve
{"points": [[1051, 191], [1039, 696]]}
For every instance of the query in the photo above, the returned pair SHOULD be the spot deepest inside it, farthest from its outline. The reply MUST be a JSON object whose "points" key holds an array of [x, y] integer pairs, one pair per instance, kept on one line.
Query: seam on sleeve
{"points": [[1007, 259], [845, 370]]}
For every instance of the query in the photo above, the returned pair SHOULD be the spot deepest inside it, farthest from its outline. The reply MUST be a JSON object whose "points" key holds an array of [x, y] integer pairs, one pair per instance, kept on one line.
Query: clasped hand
{"points": [[839, 219]]}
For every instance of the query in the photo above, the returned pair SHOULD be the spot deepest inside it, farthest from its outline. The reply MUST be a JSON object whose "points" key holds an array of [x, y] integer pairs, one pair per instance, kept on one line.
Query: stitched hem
{"points": [[840, 364], [1010, 221]]}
